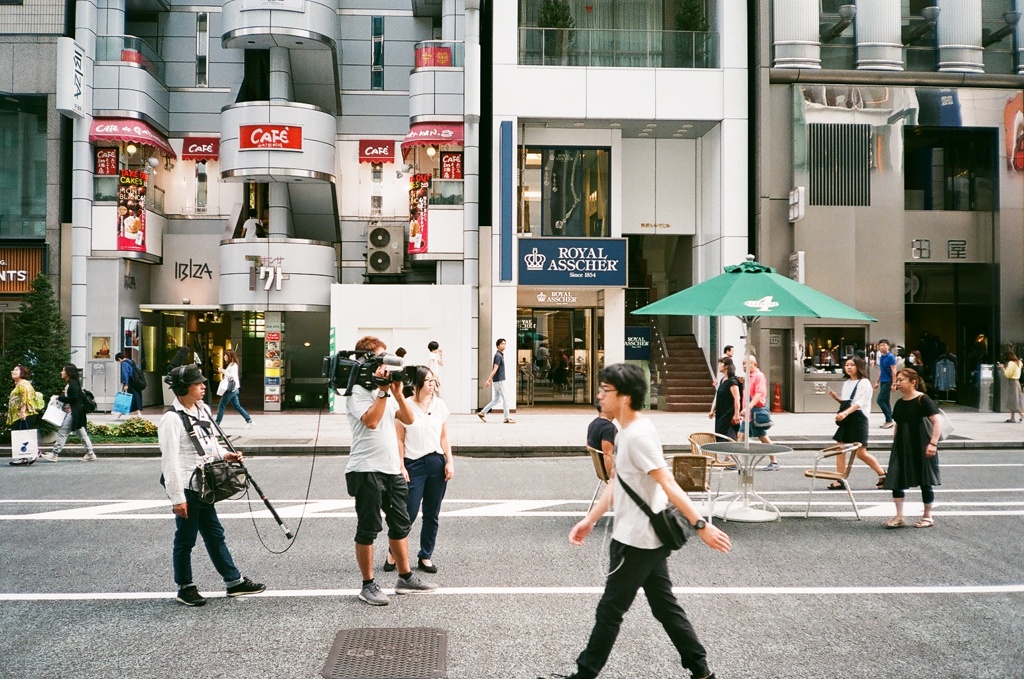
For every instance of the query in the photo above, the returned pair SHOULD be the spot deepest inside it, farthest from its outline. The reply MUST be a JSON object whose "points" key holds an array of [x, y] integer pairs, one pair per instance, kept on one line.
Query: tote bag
{"points": [[54, 413], [24, 444], [122, 402]]}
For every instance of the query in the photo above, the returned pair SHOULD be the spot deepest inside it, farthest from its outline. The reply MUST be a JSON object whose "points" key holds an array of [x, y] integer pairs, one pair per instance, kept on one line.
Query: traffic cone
{"points": [[777, 400]]}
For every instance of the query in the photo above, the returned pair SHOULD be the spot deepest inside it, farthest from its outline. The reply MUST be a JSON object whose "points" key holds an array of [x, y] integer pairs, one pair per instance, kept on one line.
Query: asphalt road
{"points": [[86, 587]]}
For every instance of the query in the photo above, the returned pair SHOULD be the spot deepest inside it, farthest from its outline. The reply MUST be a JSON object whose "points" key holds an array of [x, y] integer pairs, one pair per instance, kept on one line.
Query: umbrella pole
{"points": [[747, 322]]}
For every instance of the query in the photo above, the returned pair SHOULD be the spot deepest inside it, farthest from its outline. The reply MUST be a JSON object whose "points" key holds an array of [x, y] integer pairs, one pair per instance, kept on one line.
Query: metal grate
{"points": [[840, 164], [387, 653]]}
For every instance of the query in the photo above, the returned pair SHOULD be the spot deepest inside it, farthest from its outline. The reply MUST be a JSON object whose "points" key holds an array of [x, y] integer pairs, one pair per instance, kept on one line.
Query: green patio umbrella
{"points": [[751, 291]]}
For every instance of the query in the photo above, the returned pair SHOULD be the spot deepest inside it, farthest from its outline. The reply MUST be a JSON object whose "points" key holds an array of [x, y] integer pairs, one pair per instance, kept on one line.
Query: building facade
{"points": [[890, 175]]}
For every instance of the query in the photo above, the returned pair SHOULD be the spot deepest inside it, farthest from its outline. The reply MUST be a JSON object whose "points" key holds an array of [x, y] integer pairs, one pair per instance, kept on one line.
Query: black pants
{"points": [[634, 568]]}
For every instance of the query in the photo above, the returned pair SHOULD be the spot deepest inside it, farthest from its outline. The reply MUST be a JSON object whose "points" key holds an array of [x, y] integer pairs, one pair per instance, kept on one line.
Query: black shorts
{"points": [[375, 492]]}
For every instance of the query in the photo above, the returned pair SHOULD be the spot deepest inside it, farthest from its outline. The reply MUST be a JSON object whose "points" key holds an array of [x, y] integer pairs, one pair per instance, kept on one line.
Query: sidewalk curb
{"points": [[505, 451]]}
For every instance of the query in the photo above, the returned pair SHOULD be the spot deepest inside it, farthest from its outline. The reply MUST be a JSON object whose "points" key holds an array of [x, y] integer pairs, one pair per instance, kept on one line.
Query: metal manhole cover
{"points": [[388, 653]]}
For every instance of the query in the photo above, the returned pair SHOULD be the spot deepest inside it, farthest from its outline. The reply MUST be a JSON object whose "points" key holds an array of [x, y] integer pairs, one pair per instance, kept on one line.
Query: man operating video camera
{"points": [[374, 475]]}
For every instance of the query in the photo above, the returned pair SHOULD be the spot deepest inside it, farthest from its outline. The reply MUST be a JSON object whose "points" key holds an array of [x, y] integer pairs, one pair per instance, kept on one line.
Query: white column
{"points": [[959, 32], [280, 216], [82, 162], [1018, 5], [796, 29], [471, 272], [878, 25], [449, 17], [280, 75]]}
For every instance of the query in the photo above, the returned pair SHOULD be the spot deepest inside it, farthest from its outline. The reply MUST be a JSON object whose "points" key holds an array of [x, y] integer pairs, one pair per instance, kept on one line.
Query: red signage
{"points": [[106, 162], [131, 210], [270, 136], [200, 148], [273, 336], [451, 165], [376, 151], [427, 57]]}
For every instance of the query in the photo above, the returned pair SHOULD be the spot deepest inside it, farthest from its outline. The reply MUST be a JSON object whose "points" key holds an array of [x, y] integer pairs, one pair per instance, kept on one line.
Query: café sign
{"points": [[270, 137], [376, 151], [566, 262]]}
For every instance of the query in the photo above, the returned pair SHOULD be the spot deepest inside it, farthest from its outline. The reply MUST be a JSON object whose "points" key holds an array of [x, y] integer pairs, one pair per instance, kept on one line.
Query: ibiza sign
{"points": [[270, 137], [573, 261]]}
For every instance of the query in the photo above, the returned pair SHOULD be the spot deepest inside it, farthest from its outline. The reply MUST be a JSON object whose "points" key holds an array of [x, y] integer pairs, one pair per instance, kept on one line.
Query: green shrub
{"points": [[134, 427]]}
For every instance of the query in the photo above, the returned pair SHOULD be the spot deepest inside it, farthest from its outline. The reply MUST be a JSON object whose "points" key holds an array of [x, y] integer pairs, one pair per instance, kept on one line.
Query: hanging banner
{"points": [[71, 79], [451, 165], [131, 211], [419, 188]]}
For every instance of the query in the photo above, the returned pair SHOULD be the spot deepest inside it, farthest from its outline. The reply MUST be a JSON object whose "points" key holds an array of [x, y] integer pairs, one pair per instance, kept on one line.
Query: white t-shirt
{"points": [[230, 373], [423, 436], [373, 450], [638, 451], [434, 363], [863, 394]]}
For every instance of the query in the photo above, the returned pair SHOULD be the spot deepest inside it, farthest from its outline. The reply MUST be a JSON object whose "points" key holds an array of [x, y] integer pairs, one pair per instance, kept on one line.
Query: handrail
{"points": [[439, 54], [617, 48], [129, 49]]}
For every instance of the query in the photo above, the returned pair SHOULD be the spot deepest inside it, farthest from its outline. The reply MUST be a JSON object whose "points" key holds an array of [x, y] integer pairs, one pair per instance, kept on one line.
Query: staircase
{"points": [[686, 385]]}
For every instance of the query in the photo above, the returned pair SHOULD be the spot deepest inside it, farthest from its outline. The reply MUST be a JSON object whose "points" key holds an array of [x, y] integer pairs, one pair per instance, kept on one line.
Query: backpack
{"points": [[38, 402], [88, 401], [137, 380]]}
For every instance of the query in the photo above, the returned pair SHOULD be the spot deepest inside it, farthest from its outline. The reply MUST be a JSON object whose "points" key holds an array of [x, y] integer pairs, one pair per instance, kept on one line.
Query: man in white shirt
{"points": [[638, 558], [374, 478]]}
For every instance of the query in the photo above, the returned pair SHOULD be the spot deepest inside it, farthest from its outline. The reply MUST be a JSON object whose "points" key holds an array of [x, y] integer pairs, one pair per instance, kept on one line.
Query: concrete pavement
{"points": [[545, 431]]}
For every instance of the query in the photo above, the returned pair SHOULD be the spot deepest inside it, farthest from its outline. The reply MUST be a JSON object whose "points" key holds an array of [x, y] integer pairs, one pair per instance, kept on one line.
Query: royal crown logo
{"points": [[541, 297], [764, 305], [534, 261]]}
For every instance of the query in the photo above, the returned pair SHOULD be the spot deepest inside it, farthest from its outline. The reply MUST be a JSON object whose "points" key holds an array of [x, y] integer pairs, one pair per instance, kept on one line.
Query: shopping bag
{"points": [[123, 403], [54, 413], [24, 444]]}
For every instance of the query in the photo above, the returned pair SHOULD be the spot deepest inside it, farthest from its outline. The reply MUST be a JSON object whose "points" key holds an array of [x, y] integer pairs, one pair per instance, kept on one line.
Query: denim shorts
{"points": [[375, 492]]}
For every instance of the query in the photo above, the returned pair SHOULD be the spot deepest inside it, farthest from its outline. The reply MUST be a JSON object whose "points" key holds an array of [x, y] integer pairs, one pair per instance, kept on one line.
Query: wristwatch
{"points": [[699, 525], [382, 394]]}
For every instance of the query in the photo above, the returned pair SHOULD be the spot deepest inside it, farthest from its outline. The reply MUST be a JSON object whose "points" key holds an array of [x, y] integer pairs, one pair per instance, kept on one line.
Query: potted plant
{"points": [[556, 18]]}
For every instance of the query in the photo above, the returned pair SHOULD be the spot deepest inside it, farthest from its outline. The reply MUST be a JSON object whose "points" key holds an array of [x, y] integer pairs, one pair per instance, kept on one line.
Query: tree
{"points": [[40, 339], [556, 14], [691, 17]]}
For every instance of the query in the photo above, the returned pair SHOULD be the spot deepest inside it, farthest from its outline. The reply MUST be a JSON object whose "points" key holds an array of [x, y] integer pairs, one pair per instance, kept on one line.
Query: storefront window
{"points": [[23, 173], [949, 168], [826, 349], [565, 192]]}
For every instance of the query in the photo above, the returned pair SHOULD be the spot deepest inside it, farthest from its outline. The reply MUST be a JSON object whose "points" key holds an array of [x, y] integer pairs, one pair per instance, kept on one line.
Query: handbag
{"points": [[669, 524], [946, 425], [761, 418], [24, 445], [54, 413], [122, 402], [217, 480]]}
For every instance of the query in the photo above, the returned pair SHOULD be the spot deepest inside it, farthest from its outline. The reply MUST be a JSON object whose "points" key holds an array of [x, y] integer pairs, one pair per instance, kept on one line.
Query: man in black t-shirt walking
{"points": [[601, 436], [497, 376]]}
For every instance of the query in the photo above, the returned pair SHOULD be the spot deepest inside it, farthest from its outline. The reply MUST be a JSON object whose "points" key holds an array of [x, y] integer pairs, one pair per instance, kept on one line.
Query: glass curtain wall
{"points": [[23, 171], [565, 192]]}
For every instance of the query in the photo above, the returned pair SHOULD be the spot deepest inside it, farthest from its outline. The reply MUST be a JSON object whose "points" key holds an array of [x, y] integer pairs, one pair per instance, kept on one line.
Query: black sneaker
{"points": [[246, 586], [190, 596]]}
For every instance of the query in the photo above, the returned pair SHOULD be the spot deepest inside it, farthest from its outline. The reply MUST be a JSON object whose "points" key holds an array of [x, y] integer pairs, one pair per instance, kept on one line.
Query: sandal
{"points": [[895, 522], [835, 485], [1011, 421], [925, 522], [881, 482]]}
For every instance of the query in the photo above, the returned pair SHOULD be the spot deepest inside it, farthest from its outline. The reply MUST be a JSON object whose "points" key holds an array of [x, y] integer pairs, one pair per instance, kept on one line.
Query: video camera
{"points": [[346, 369]]}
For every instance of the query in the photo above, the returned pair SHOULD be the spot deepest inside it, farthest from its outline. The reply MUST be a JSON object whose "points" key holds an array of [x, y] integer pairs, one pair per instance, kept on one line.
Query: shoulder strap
{"points": [[186, 419], [636, 498], [854, 392]]}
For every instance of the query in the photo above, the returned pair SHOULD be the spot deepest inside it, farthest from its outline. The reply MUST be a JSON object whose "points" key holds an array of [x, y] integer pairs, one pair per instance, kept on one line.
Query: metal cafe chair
{"points": [[848, 449], [702, 438], [597, 457], [693, 474]]}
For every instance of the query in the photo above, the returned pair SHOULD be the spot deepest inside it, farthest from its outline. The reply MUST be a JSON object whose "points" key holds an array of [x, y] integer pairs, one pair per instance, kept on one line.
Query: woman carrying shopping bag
{"points": [[74, 420], [21, 410], [229, 388]]}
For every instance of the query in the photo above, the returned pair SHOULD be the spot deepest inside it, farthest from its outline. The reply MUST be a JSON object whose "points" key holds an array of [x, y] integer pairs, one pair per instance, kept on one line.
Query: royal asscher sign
{"points": [[573, 262], [269, 136]]}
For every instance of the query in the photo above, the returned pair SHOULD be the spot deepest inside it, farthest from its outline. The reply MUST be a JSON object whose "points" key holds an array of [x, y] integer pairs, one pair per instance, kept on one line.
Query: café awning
{"points": [[432, 134], [127, 129]]}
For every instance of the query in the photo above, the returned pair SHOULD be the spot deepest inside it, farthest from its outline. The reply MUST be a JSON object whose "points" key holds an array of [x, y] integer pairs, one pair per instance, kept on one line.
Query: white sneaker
{"points": [[248, 425], [48, 457], [89, 457]]}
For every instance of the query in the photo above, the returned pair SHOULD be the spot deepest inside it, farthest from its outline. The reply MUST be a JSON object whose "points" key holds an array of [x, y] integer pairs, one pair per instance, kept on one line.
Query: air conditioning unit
{"points": [[385, 249]]}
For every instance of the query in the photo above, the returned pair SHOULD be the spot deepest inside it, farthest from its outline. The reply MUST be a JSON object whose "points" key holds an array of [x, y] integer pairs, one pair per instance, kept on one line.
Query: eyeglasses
{"points": [[607, 390]]}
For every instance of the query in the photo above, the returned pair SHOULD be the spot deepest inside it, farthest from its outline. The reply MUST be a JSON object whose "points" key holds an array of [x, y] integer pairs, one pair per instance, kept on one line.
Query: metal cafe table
{"points": [[743, 504]]}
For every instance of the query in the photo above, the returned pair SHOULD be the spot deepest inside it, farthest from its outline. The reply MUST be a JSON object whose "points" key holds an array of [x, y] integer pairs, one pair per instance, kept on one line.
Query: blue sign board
{"points": [[638, 344], [566, 262], [272, 381]]}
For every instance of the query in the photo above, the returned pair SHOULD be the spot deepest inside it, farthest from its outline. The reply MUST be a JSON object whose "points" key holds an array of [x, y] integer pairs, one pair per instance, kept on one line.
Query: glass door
{"points": [[556, 355]]}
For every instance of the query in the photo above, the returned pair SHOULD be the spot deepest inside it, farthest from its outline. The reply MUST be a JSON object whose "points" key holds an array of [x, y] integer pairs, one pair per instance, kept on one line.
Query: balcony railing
{"points": [[617, 48], [439, 54], [129, 49]]}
